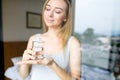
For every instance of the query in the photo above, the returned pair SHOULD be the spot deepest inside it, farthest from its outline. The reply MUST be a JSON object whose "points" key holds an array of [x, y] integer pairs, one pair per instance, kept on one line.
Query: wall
{"points": [[14, 18]]}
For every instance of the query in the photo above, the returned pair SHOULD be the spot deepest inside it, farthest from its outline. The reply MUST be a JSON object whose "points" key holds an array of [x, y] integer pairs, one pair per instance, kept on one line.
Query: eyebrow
{"points": [[55, 7]]}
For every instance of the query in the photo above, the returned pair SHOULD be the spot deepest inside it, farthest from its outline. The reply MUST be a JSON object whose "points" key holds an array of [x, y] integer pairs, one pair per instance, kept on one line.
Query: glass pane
{"points": [[97, 24]]}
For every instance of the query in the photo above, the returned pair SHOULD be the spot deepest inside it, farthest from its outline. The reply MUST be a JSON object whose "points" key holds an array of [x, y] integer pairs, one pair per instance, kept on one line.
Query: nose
{"points": [[50, 13]]}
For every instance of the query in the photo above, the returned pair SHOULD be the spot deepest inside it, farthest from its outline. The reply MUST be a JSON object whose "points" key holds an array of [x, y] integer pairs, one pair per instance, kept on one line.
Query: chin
{"points": [[49, 25]]}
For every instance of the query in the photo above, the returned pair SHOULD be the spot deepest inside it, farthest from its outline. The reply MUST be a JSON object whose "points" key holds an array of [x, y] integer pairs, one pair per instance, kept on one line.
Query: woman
{"points": [[62, 49]]}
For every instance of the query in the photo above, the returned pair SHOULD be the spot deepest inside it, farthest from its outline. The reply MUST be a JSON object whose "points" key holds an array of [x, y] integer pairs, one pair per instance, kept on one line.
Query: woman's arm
{"points": [[75, 61], [25, 68]]}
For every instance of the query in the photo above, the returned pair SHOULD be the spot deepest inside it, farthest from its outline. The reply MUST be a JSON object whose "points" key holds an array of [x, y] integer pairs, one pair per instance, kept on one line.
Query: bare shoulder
{"points": [[75, 41], [32, 37], [75, 45]]}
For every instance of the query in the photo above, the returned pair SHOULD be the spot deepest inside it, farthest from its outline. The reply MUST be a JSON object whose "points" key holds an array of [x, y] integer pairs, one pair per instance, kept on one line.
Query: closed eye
{"points": [[47, 8], [58, 11]]}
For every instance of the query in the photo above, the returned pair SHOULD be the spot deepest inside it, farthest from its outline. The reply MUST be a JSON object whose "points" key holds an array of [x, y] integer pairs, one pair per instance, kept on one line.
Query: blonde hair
{"points": [[66, 30]]}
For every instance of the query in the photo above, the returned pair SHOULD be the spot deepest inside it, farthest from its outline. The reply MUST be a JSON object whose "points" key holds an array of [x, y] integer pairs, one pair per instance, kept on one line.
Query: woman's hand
{"points": [[45, 61], [29, 57]]}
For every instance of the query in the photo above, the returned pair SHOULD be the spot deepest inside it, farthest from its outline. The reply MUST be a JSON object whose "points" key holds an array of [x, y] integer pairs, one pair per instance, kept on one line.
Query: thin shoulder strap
{"points": [[37, 37], [68, 48], [68, 52], [69, 43]]}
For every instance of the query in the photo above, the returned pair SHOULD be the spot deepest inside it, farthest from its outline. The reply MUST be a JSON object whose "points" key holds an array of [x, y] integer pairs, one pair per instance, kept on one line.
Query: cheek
{"points": [[59, 18], [44, 16]]}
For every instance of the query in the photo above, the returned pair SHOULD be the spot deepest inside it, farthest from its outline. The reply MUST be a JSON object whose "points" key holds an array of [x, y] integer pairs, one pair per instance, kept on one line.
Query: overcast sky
{"points": [[101, 15]]}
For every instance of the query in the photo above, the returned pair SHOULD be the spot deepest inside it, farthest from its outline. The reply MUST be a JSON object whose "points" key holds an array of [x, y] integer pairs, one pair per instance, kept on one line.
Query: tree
{"points": [[89, 35]]}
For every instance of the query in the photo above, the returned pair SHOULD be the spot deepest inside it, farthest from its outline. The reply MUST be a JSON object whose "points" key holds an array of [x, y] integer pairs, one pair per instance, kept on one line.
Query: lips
{"points": [[49, 21]]}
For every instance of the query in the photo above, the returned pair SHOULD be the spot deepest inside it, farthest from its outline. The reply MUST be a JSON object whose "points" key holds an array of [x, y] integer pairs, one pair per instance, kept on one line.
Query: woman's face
{"points": [[55, 13]]}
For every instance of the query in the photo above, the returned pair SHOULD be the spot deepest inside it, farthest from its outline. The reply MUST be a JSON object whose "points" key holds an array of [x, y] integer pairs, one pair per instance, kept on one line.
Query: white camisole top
{"points": [[43, 72]]}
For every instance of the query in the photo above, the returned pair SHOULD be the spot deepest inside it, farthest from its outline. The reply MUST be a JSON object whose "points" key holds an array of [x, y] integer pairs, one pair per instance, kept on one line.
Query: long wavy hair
{"points": [[66, 30]]}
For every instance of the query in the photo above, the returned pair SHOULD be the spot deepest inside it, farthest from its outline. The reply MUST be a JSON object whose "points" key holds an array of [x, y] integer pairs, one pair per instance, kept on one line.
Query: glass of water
{"points": [[38, 48]]}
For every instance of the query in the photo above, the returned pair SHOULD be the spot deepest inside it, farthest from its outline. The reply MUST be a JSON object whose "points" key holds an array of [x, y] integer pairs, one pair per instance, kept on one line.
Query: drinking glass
{"points": [[38, 48]]}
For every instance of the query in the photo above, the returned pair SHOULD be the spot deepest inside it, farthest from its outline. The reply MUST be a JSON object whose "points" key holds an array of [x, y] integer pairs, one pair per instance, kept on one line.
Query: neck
{"points": [[53, 32]]}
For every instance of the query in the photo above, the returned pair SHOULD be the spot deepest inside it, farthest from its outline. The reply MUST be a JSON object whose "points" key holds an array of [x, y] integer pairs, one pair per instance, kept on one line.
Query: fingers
{"points": [[45, 61], [27, 62], [28, 55], [31, 57], [30, 52]]}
